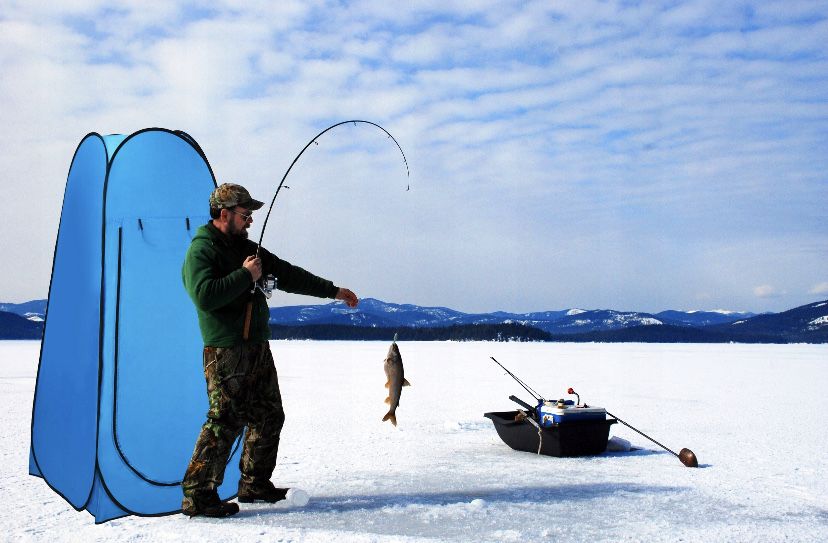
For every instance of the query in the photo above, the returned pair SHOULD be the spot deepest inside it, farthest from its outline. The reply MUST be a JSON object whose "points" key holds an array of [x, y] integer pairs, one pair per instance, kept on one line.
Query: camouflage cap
{"points": [[230, 195]]}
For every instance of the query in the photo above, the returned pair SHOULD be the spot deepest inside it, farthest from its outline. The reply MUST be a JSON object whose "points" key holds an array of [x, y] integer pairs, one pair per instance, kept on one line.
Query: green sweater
{"points": [[220, 287]]}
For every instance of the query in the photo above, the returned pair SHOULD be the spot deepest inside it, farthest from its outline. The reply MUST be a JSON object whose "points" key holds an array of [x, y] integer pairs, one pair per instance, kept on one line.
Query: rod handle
{"points": [[247, 317], [522, 403]]}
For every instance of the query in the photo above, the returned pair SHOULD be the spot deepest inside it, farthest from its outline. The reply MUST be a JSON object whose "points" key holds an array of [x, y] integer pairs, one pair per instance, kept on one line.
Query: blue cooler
{"points": [[554, 413]]}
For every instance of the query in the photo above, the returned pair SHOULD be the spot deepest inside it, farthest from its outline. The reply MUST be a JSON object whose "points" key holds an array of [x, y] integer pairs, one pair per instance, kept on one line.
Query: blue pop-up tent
{"points": [[120, 396]]}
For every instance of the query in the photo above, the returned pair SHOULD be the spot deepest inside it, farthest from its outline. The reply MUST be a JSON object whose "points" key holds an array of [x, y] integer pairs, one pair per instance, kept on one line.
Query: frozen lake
{"points": [[753, 414]]}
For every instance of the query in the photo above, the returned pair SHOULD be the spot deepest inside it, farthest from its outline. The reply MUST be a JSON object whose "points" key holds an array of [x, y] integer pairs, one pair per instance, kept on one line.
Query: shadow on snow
{"points": [[530, 494]]}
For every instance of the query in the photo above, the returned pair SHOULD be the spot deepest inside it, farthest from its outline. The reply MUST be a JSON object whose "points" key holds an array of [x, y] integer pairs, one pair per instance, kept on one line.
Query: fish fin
{"points": [[406, 383], [390, 416], [388, 400]]}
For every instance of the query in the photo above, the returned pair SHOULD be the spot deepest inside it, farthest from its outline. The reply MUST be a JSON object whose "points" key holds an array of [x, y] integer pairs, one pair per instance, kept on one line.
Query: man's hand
{"points": [[348, 297], [254, 266]]}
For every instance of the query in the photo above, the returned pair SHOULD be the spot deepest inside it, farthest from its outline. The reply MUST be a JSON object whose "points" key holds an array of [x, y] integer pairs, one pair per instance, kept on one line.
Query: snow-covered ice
{"points": [[753, 414]]}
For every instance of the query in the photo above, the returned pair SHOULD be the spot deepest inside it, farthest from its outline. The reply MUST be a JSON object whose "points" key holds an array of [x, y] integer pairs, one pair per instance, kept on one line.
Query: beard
{"points": [[238, 232]]}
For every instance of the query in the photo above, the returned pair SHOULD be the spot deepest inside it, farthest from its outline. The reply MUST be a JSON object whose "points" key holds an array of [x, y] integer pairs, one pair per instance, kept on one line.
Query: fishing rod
{"points": [[685, 456], [266, 284], [314, 141], [526, 387]]}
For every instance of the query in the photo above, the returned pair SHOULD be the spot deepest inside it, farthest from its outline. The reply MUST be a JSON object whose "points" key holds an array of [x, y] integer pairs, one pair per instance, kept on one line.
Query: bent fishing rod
{"points": [[266, 286], [305, 148]]}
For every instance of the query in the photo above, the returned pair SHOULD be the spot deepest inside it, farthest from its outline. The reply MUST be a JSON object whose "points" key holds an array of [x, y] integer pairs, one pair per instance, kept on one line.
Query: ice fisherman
{"points": [[219, 271]]}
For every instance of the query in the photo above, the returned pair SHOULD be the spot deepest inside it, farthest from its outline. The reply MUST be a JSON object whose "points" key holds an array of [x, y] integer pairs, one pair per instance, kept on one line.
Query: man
{"points": [[219, 272]]}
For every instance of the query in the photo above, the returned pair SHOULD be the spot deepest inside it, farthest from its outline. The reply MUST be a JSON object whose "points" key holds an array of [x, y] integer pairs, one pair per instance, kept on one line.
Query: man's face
{"points": [[239, 220]]}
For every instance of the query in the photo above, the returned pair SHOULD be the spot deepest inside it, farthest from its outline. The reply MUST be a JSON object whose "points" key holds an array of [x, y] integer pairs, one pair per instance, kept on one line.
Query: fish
{"points": [[396, 381]]}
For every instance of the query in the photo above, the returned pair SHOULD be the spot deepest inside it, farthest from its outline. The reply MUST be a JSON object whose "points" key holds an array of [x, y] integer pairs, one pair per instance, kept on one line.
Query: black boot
{"points": [[266, 492], [208, 504]]}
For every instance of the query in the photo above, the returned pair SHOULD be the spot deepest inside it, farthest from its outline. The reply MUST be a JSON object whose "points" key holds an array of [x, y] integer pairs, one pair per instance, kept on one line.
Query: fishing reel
{"points": [[266, 285]]}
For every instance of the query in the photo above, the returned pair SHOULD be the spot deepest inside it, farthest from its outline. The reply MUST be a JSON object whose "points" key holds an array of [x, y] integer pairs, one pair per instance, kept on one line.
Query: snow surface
{"points": [[753, 414]]}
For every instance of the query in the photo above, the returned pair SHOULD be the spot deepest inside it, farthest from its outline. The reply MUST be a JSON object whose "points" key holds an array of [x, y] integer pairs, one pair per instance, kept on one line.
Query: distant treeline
{"points": [[521, 332], [461, 332], [13, 326]]}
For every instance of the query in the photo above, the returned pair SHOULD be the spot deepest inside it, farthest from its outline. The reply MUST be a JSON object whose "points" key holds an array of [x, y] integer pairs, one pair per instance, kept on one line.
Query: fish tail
{"points": [[390, 416]]}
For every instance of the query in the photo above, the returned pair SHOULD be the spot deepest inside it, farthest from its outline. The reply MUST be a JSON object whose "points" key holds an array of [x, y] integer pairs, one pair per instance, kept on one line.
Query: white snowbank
{"points": [[753, 414]]}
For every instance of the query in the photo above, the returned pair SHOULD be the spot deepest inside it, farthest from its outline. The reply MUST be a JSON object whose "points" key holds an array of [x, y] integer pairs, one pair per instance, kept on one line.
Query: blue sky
{"points": [[621, 155]]}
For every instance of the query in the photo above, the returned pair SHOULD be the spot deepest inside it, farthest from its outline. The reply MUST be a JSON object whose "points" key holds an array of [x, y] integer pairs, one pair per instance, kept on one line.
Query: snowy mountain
{"points": [[600, 319], [34, 310], [808, 323], [370, 312], [376, 313], [701, 318]]}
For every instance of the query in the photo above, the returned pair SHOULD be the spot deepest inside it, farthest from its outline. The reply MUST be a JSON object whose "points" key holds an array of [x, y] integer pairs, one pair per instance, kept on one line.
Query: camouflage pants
{"points": [[243, 390]]}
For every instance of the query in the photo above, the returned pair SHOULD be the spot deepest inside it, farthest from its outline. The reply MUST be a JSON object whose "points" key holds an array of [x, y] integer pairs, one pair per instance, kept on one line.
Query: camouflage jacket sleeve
{"points": [[294, 279]]}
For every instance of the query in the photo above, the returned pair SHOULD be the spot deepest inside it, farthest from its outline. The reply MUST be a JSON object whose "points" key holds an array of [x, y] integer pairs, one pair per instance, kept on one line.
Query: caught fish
{"points": [[396, 380]]}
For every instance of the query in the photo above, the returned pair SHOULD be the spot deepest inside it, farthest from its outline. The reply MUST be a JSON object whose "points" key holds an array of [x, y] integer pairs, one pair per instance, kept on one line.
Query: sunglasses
{"points": [[246, 216]]}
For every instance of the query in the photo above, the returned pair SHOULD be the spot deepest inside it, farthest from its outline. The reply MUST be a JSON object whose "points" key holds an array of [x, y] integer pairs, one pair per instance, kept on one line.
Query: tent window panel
{"points": [[157, 373]]}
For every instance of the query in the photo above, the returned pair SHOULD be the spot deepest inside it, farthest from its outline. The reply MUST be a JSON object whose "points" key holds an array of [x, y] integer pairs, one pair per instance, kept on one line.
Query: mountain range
{"points": [[376, 313], [34, 310], [807, 323], [376, 319]]}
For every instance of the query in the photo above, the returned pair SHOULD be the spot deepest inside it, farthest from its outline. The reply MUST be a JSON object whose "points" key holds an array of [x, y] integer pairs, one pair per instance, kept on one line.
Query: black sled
{"points": [[560, 428], [576, 438]]}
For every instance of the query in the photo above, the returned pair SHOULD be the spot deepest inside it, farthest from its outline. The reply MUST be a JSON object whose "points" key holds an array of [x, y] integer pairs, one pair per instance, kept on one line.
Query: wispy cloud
{"points": [[767, 291], [656, 135], [820, 289]]}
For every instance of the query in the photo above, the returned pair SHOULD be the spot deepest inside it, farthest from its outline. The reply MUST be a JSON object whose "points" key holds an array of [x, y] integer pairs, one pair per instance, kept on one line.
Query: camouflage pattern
{"points": [[243, 390], [231, 195]]}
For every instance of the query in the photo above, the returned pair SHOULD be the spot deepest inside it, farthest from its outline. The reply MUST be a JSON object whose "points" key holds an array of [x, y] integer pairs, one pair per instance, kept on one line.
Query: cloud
{"points": [[767, 291], [526, 125], [821, 288]]}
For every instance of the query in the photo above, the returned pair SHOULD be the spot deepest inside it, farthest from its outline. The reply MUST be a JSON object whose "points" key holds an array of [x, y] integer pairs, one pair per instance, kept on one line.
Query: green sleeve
{"points": [[207, 290], [294, 279]]}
